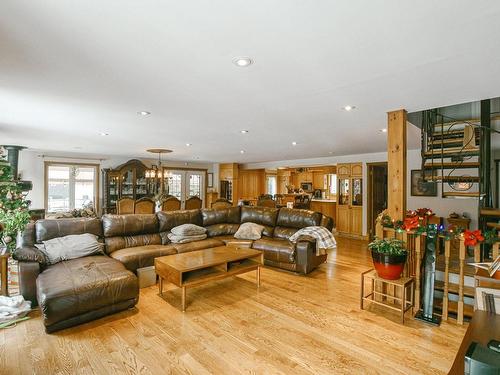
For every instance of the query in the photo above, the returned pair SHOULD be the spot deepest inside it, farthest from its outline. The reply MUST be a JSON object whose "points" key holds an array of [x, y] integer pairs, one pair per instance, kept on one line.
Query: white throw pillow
{"points": [[185, 239], [249, 231], [188, 230], [70, 247]]}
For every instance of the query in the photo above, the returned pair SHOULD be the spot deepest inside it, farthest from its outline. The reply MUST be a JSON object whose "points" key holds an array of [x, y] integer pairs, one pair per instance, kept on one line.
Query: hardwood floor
{"points": [[292, 325]]}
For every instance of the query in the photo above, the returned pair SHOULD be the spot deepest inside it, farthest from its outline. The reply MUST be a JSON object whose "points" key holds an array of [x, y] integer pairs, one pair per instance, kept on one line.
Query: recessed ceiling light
{"points": [[242, 151], [294, 143], [330, 152], [384, 130], [189, 144], [144, 113], [103, 134], [348, 108], [242, 61], [243, 131]]}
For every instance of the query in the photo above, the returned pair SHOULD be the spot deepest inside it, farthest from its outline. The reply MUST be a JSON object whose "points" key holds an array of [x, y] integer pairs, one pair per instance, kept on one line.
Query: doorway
{"points": [[377, 193], [184, 184]]}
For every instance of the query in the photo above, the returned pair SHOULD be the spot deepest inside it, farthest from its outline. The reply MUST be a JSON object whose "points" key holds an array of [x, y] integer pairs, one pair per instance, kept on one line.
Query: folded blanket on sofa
{"points": [[184, 239], [324, 238]]}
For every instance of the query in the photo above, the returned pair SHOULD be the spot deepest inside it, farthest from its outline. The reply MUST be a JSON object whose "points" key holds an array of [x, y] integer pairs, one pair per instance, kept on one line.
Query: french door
{"points": [[184, 184]]}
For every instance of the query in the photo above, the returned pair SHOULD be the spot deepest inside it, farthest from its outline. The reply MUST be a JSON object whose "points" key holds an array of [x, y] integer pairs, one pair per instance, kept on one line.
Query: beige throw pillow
{"points": [[188, 230], [249, 231], [70, 247], [185, 239]]}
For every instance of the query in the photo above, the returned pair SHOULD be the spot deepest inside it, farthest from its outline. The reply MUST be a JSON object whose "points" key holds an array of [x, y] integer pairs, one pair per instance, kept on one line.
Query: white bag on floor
{"points": [[12, 308]]}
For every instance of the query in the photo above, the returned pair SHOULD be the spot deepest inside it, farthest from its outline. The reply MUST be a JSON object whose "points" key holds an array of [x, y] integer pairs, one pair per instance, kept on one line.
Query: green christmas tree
{"points": [[14, 214]]}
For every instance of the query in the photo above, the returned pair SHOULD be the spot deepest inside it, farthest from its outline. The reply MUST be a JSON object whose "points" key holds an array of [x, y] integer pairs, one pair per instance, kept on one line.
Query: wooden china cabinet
{"points": [[129, 180], [350, 199]]}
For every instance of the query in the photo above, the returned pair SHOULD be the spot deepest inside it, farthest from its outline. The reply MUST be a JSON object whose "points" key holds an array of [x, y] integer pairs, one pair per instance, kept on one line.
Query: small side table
{"points": [[4, 279], [403, 284]]}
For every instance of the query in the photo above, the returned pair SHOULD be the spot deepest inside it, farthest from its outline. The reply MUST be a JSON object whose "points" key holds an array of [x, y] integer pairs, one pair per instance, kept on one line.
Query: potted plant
{"points": [[389, 257]]}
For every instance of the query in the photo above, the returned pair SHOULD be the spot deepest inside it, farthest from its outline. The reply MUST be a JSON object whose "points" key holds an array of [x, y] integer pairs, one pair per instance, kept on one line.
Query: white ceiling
{"points": [[72, 69]]}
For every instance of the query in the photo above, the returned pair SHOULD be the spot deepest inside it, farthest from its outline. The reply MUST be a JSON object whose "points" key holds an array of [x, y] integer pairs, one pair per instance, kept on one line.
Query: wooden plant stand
{"points": [[401, 304]]}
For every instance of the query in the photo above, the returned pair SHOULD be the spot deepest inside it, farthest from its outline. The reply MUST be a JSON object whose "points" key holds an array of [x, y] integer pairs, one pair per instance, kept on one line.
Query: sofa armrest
{"points": [[28, 272], [29, 254], [306, 254]]}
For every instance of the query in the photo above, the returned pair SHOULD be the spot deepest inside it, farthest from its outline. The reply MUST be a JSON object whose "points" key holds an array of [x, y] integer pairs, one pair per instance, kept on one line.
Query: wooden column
{"points": [[396, 162]]}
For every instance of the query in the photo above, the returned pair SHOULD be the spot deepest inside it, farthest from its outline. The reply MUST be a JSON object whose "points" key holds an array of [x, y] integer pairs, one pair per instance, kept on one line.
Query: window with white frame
{"points": [[70, 186], [271, 185]]}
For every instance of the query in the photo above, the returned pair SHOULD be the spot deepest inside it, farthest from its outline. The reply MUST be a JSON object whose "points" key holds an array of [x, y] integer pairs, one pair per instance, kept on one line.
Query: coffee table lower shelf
{"points": [[200, 267]]}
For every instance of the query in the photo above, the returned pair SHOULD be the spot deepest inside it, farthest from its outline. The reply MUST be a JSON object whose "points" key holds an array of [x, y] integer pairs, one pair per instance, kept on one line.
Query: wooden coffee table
{"points": [[202, 266]]}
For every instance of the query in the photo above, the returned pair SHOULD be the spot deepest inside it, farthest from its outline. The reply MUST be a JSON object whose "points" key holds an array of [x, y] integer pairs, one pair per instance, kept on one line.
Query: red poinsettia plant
{"points": [[472, 237], [411, 223]]}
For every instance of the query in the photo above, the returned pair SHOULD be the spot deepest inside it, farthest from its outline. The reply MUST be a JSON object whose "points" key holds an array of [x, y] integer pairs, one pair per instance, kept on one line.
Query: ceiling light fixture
{"points": [[243, 131], [348, 108], [144, 113], [242, 62], [384, 130], [294, 143], [242, 151], [189, 144], [103, 134]]}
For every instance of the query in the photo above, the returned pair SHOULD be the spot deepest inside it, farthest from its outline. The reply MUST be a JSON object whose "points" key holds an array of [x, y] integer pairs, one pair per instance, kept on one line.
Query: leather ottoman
{"points": [[80, 290]]}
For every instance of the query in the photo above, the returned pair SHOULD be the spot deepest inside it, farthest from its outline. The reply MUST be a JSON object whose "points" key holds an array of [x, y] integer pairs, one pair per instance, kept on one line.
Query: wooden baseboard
{"points": [[352, 236]]}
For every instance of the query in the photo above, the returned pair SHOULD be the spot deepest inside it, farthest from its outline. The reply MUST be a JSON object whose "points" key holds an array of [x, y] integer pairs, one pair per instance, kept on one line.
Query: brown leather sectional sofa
{"points": [[79, 290]]}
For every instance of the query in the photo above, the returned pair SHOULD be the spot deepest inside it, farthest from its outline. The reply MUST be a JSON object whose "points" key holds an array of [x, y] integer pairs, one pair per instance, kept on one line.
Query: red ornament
{"points": [[472, 237]]}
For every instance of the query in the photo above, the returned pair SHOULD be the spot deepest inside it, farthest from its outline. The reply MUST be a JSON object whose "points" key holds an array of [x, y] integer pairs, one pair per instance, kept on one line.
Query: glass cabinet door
{"points": [[344, 191], [141, 184], [112, 190], [127, 184], [357, 192]]}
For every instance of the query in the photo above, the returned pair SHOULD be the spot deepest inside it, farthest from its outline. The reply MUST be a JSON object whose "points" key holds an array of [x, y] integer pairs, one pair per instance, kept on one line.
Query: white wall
{"points": [[31, 167]]}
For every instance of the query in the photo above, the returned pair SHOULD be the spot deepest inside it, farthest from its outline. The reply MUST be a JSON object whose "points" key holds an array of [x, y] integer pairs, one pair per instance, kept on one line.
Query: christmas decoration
{"points": [[14, 213], [417, 222], [472, 237]]}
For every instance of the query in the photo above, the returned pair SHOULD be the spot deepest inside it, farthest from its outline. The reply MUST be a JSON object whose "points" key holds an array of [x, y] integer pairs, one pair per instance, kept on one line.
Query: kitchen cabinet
{"points": [[350, 199], [318, 180]]}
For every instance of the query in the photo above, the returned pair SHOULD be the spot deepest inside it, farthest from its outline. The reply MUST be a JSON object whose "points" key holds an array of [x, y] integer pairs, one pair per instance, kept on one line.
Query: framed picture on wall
{"points": [[420, 187], [210, 182]]}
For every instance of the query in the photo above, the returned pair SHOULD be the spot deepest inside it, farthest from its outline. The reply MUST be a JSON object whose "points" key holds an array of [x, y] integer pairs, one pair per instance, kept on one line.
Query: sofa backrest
{"points": [[170, 219], [291, 220], [121, 231], [47, 229], [222, 221], [265, 216]]}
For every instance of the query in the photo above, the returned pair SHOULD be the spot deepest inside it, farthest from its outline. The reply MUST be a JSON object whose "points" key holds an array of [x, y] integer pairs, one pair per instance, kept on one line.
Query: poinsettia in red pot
{"points": [[389, 257]]}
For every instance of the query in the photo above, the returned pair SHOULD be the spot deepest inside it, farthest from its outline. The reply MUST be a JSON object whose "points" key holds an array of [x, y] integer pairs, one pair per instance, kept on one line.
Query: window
{"points": [[271, 185], [332, 184], [70, 186]]}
